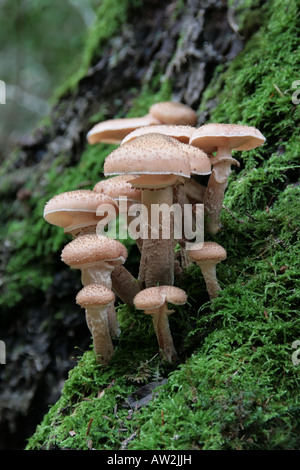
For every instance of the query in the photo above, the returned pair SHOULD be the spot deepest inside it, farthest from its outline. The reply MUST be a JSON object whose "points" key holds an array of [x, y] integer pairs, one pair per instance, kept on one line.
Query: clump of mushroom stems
{"points": [[157, 260], [157, 257]]}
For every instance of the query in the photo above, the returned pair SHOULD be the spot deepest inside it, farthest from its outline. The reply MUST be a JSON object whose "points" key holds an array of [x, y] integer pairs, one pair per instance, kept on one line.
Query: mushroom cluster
{"points": [[156, 164]]}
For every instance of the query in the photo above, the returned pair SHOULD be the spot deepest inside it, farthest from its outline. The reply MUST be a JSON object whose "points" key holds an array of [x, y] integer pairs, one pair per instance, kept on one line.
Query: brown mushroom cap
{"points": [[149, 154], [208, 251], [113, 131], [154, 297], [118, 186], [199, 161], [172, 112], [71, 209], [180, 132], [94, 295], [88, 250], [236, 137]]}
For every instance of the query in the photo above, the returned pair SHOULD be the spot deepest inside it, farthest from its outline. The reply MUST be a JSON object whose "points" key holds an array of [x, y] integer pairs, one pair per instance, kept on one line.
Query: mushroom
{"points": [[207, 256], [160, 161], [223, 138], [199, 163], [96, 299], [113, 131], [96, 256], [154, 301], [173, 112], [76, 211]]}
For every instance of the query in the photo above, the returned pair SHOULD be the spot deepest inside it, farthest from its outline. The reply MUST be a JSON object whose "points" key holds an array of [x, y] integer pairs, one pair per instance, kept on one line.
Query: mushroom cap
{"points": [[208, 251], [180, 132], [88, 250], [118, 186], [154, 297], [149, 154], [234, 136], [113, 131], [199, 161], [94, 295], [74, 209], [173, 112], [159, 182]]}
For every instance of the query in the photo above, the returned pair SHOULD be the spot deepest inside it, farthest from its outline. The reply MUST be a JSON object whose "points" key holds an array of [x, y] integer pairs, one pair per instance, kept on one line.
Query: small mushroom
{"points": [[222, 138], [76, 211], [113, 131], [173, 112], [96, 299], [207, 256], [154, 301], [96, 256]]}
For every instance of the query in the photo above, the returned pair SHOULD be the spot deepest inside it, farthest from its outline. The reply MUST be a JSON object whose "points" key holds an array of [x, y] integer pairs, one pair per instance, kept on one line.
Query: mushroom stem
{"points": [[101, 274], [195, 191], [181, 198], [124, 284], [98, 317], [216, 187], [157, 257], [208, 269], [160, 318]]}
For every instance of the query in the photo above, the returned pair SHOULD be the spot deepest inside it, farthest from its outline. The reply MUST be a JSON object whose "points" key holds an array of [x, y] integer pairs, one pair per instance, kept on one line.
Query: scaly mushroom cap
{"points": [[199, 161], [87, 250], [73, 209], [154, 297], [172, 112], [113, 131], [181, 133], [208, 251], [118, 186], [233, 136], [94, 295], [149, 154]]}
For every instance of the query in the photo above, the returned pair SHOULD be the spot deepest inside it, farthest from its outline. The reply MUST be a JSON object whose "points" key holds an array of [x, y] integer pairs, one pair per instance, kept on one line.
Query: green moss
{"points": [[236, 386]]}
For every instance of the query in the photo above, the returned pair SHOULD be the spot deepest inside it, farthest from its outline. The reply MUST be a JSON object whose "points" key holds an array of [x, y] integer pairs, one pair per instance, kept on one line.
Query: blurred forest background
{"points": [[39, 43]]}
